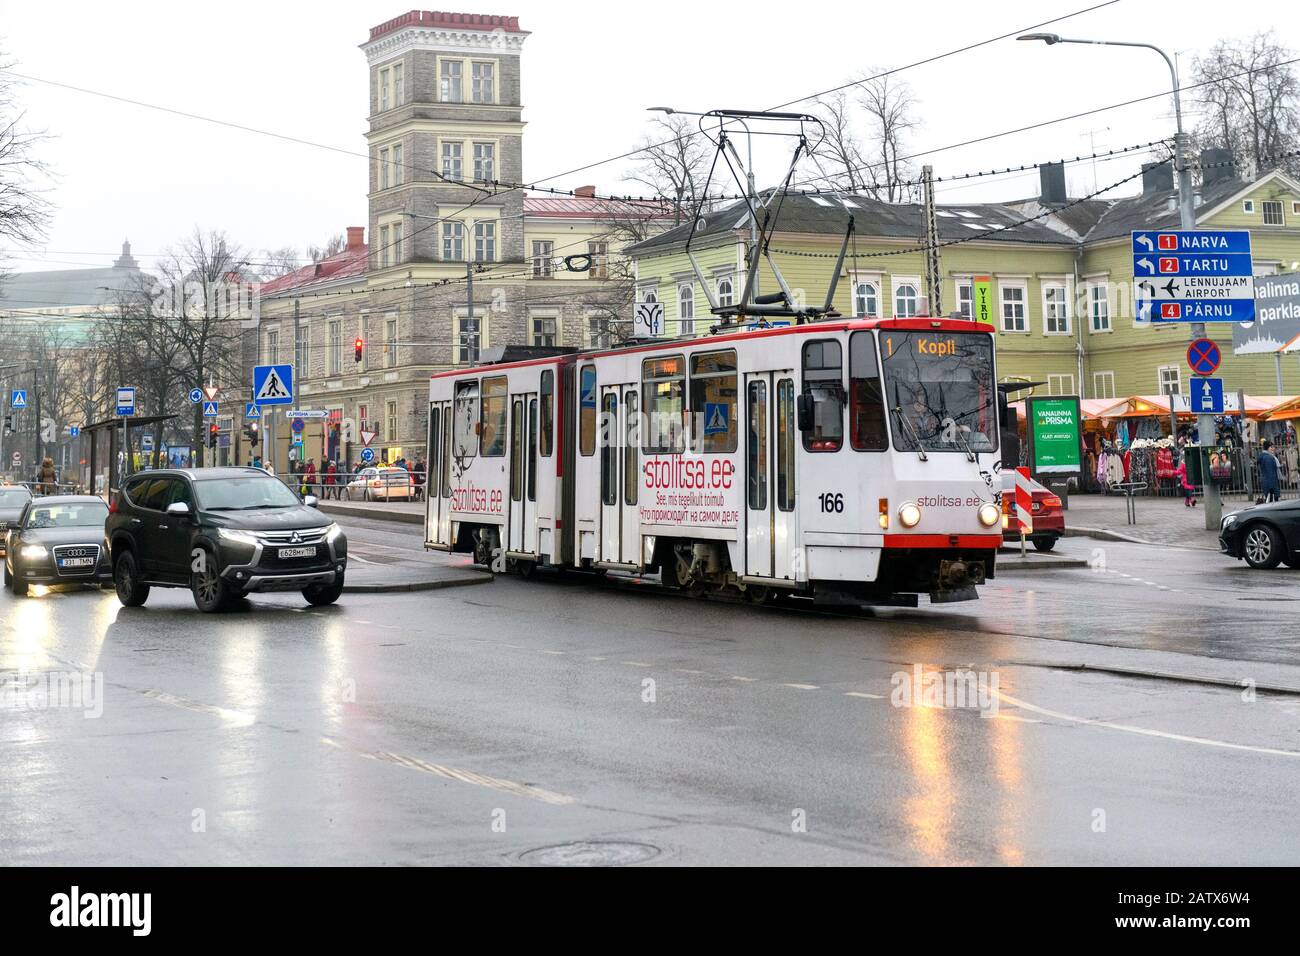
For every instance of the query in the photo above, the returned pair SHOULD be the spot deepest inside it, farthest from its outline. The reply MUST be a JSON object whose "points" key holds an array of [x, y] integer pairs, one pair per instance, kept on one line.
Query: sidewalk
{"points": [[409, 512], [1164, 520]]}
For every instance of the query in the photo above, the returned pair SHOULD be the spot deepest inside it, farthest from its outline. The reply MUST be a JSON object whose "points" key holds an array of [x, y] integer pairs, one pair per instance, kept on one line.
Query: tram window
{"points": [[434, 436], [867, 430], [663, 399], [756, 463], [587, 411], [465, 426], [713, 402], [531, 461], [548, 412], [609, 450], [445, 451], [823, 363], [631, 475], [785, 429], [516, 449], [492, 436]]}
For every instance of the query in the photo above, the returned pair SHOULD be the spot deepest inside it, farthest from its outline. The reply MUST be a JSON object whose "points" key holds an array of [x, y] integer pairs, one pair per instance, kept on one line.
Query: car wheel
{"points": [[126, 581], [1044, 544], [211, 593], [1263, 547], [15, 581], [321, 594]]}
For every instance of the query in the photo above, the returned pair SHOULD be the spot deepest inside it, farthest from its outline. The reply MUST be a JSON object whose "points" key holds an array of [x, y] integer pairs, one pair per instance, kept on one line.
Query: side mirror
{"points": [[804, 411], [310, 501], [178, 508]]}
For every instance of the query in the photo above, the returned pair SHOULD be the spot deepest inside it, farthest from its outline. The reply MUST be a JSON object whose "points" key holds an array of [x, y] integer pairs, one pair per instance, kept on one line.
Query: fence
{"points": [[360, 486], [1234, 468]]}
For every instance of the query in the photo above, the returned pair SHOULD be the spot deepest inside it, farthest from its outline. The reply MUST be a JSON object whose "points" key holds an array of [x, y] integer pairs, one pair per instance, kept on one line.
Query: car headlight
{"points": [[1228, 521], [909, 515], [990, 514], [34, 552], [332, 533], [231, 534]]}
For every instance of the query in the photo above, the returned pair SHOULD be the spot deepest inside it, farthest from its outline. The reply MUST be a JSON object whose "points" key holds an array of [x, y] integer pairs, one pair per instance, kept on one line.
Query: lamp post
{"points": [[1187, 221]]}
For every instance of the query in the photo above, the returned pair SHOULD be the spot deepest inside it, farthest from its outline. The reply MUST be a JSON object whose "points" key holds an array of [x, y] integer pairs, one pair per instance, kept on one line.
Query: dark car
{"points": [[13, 499], [222, 533], [1265, 535], [59, 540]]}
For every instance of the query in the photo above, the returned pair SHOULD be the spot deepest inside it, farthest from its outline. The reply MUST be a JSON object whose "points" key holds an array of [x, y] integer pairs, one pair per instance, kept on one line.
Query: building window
{"points": [[598, 252], [383, 90], [468, 339], [300, 350], [1169, 380], [966, 299], [485, 241], [1248, 206], [686, 309], [384, 238], [449, 90], [907, 299], [452, 164], [1056, 310], [542, 331], [390, 342], [483, 82], [650, 295], [397, 165], [1060, 384], [336, 347], [1273, 213], [1013, 309], [1295, 208], [383, 168], [485, 161], [1103, 384], [390, 421], [363, 415], [1098, 308], [398, 230], [866, 299], [543, 249], [598, 336], [272, 347], [453, 241], [399, 84], [726, 292]]}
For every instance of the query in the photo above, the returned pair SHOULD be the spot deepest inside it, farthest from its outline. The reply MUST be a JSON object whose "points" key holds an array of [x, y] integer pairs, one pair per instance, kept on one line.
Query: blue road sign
{"points": [[125, 400], [715, 418], [1207, 396], [298, 425], [209, 409], [252, 411], [367, 455], [273, 384], [74, 431], [146, 443], [1203, 357], [18, 399], [1204, 275], [196, 395]]}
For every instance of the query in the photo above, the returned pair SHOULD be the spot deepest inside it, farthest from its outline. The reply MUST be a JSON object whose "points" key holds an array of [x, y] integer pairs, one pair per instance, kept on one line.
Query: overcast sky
{"points": [[590, 69]]}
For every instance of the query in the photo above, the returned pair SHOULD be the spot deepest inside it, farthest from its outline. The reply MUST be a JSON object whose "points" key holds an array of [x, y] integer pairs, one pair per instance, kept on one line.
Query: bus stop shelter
{"points": [[113, 444]]}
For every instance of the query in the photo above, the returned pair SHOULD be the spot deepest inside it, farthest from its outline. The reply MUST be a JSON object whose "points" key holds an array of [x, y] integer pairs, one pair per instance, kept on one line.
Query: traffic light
{"points": [[251, 433], [9, 424], [358, 345], [212, 435]]}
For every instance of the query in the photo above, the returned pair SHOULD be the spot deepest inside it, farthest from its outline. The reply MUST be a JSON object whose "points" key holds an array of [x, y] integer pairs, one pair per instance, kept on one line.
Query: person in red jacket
{"points": [[309, 476], [331, 472]]}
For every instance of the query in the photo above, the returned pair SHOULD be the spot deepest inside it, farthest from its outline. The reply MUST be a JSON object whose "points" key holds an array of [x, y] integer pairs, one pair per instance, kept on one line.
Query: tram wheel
{"points": [[759, 594]]}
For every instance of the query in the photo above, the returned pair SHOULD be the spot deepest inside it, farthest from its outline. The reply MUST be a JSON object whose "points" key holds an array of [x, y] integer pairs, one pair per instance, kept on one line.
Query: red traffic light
{"points": [[359, 344]]}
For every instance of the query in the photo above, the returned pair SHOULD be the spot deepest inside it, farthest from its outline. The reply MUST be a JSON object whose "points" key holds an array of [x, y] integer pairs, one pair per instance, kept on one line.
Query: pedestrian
{"points": [[1189, 493], [309, 476], [47, 477], [1269, 479], [257, 461], [331, 472], [418, 476]]}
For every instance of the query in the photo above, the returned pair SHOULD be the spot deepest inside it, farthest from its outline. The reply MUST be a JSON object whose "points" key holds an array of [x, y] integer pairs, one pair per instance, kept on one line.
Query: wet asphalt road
{"points": [[482, 725]]}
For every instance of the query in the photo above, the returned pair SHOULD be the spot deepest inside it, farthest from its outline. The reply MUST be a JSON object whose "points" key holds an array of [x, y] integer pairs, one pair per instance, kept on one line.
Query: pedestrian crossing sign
{"points": [[715, 418], [19, 398], [273, 385], [252, 411]]}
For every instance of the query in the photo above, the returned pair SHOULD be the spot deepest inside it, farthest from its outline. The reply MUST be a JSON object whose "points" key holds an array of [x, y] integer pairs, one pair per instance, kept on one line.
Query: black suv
{"points": [[221, 532]]}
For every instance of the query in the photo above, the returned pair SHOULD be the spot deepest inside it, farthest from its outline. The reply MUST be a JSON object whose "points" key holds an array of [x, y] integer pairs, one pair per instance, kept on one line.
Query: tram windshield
{"points": [[940, 391]]}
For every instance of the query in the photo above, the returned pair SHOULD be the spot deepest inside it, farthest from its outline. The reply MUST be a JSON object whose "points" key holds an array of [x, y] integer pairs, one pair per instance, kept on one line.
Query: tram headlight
{"points": [[990, 514], [909, 515]]}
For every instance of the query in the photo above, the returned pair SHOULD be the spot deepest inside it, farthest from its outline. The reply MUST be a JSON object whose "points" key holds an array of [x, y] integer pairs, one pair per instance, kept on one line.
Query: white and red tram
{"points": [[839, 459]]}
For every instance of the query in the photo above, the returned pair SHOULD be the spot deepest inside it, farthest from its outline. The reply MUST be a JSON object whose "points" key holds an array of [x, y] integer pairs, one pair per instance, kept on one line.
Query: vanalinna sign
{"points": [[1054, 442]]}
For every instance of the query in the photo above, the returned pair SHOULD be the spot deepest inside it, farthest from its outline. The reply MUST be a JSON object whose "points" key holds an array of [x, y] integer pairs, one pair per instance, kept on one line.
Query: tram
{"points": [[841, 459]]}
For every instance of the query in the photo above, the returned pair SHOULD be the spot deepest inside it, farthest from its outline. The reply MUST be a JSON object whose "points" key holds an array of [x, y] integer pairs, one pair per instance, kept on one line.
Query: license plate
{"points": [[76, 562], [297, 552]]}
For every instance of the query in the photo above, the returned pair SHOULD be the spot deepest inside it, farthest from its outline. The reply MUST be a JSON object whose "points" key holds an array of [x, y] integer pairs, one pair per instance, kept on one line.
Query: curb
{"points": [[1038, 563], [1105, 534], [348, 511], [483, 578]]}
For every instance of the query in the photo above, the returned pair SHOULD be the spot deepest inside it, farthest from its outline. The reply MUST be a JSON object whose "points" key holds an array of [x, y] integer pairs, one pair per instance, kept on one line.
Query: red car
{"points": [[1049, 516]]}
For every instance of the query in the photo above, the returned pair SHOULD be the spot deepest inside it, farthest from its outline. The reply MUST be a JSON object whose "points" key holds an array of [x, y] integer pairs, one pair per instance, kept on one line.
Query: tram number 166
{"points": [[832, 503]]}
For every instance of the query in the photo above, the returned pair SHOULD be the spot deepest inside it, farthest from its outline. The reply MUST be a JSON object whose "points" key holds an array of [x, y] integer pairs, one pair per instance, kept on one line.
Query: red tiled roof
{"points": [[455, 21], [349, 262], [581, 207]]}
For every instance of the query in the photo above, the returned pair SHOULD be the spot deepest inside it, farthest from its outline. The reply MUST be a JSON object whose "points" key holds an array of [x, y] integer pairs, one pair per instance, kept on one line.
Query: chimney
{"points": [[1216, 166], [1051, 184], [585, 192], [1157, 178], [356, 237]]}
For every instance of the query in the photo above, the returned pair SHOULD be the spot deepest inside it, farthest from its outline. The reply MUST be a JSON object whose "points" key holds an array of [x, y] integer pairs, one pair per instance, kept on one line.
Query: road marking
{"points": [[555, 652], [747, 680], [1023, 720], [637, 664], [802, 686], [232, 716], [469, 776], [858, 693], [1146, 731]]}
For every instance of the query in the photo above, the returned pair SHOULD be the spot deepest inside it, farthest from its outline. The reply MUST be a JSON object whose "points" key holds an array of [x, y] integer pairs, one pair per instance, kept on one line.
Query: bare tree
{"points": [[24, 212], [890, 110], [1250, 102], [282, 261], [838, 159], [333, 246], [675, 162]]}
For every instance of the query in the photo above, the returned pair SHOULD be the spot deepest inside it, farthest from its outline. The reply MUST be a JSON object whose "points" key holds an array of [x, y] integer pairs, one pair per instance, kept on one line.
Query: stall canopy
{"points": [[1258, 407], [1090, 408]]}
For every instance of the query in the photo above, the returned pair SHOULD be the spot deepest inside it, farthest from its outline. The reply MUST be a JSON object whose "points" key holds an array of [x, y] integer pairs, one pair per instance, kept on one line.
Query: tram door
{"points": [[769, 474], [610, 432], [438, 480], [523, 473]]}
